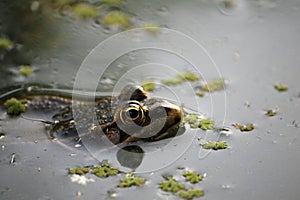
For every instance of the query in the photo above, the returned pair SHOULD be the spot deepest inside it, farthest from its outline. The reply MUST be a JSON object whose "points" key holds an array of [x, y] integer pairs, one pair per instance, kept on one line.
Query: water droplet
{"points": [[2, 135], [236, 56]]}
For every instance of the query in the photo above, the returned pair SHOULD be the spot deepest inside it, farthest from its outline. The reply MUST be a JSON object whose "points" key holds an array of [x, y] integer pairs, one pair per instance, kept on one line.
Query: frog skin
{"points": [[132, 116]]}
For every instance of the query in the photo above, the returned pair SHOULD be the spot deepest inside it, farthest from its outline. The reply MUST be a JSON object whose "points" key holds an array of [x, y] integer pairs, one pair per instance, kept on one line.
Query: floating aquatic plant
{"points": [[84, 10], [14, 106], [170, 185], [206, 124], [148, 85], [214, 85], [117, 18], [131, 180], [214, 145], [192, 177], [104, 170], [78, 170], [246, 127], [280, 87], [191, 193]]}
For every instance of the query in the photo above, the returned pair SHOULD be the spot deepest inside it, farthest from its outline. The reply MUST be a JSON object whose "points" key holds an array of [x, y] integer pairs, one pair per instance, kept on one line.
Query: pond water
{"points": [[251, 45]]}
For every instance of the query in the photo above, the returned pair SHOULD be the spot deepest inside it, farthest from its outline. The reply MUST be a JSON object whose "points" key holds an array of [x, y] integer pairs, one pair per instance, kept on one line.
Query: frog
{"points": [[130, 117]]}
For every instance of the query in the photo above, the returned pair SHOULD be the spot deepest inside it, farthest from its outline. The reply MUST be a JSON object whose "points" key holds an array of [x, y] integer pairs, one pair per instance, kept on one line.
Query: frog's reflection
{"points": [[130, 156]]}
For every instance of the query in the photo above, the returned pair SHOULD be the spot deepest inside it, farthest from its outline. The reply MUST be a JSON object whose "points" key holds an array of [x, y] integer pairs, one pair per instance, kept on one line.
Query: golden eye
{"points": [[133, 112]]}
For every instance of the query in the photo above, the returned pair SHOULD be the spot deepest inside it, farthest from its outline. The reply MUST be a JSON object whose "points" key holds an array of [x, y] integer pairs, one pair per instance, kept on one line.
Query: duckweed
{"points": [[214, 85], [14, 106], [25, 70], [104, 170], [280, 87], [151, 27], [270, 113], [191, 193], [192, 120], [62, 2], [247, 127], [148, 85], [170, 185], [206, 124], [189, 76], [5, 43], [112, 2], [117, 18], [229, 3], [79, 170], [200, 94], [84, 10], [131, 180], [183, 76], [214, 145], [192, 177], [172, 81]]}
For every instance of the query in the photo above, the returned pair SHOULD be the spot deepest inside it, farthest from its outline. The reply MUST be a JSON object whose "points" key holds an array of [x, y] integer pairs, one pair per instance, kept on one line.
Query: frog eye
{"points": [[133, 112]]}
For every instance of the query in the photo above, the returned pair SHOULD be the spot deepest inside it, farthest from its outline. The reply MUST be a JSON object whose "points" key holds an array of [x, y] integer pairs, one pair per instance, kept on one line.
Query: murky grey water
{"points": [[255, 46]]}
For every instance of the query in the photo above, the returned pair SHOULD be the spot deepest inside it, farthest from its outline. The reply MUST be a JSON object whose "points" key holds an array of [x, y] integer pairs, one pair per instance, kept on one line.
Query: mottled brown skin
{"points": [[130, 117]]}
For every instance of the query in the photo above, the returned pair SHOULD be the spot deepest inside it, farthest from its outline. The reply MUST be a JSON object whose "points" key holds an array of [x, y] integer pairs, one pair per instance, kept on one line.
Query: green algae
{"points": [[14, 106], [130, 181], [214, 145]]}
